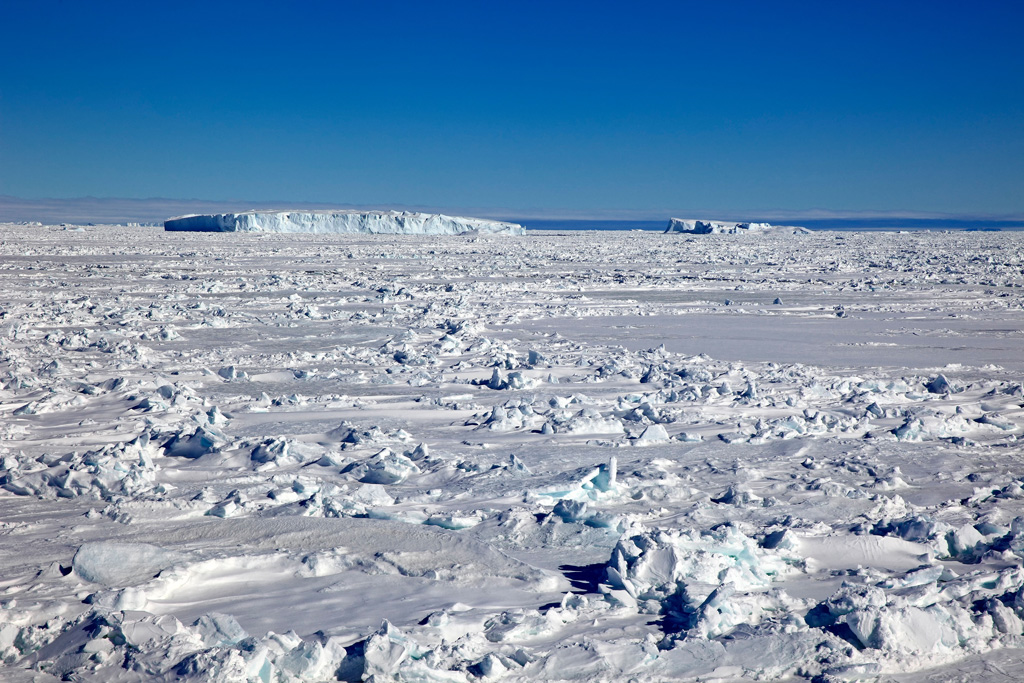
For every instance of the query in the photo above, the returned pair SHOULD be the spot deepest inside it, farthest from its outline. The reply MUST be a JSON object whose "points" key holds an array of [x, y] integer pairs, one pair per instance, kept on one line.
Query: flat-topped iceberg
{"points": [[701, 227], [341, 222]]}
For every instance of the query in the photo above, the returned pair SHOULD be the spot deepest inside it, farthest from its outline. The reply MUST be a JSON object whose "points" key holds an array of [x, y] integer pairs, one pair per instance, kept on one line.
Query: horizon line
{"points": [[157, 209]]}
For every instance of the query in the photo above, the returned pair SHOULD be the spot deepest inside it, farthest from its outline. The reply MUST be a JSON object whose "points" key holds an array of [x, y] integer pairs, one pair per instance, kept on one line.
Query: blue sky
{"points": [[587, 107]]}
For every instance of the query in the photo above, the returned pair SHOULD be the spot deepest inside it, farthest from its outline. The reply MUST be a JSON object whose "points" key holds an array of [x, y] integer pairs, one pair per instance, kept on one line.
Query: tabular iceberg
{"points": [[341, 222], [699, 227]]}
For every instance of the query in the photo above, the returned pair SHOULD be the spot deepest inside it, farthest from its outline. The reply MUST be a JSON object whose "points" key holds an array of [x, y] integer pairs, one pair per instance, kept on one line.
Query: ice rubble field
{"points": [[598, 456]]}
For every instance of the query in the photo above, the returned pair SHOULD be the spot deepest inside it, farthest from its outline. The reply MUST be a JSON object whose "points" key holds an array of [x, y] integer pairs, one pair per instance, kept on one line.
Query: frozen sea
{"points": [[596, 455]]}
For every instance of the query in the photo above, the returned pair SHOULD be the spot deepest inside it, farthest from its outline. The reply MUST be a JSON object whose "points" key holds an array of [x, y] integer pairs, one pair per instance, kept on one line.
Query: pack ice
{"points": [[343, 222], [318, 457]]}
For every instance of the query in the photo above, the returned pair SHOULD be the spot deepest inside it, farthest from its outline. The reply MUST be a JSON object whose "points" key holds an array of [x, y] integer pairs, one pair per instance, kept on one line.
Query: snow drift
{"points": [[340, 222]]}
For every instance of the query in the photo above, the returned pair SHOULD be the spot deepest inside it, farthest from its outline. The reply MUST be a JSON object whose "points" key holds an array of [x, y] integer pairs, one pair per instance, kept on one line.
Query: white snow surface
{"points": [[599, 457], [340, 222]]}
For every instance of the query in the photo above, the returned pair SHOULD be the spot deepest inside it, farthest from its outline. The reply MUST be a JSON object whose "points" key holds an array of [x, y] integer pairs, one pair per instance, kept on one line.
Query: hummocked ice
{"points": [[589, 456]]}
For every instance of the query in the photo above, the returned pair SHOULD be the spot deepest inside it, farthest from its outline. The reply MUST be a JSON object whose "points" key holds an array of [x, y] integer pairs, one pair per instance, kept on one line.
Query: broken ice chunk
{"points": [[195, 445], [384, 467], [939, 385], [121, 564], [651, 435], [219, 630]]}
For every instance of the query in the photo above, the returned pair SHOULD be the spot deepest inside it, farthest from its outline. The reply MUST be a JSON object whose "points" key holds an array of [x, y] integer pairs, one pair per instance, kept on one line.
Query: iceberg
{"points": [[341, 222], [702, 227]]}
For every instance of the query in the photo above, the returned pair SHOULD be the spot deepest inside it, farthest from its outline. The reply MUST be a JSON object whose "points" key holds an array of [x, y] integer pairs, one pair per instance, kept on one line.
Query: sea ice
{"points": [[307, 457]]}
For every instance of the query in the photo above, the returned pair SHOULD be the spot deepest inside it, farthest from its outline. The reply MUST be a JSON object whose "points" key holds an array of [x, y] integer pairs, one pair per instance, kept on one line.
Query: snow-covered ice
{"points": [[313, 457], [341, 222]]}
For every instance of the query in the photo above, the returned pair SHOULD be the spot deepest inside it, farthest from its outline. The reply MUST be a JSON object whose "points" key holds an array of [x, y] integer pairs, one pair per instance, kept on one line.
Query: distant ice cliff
{"points": [[340, 222], [700, 227]]}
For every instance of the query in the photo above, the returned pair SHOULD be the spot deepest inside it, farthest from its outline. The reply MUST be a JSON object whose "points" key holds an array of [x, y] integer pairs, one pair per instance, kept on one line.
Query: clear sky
{"points": [[588, 106]]}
